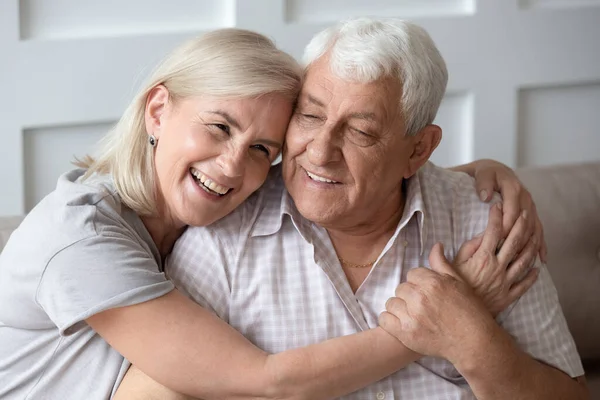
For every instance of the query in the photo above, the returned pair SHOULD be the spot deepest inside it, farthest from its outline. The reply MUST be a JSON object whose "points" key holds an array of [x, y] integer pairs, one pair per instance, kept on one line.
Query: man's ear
{"points": [[425, 142], [156, 104]]}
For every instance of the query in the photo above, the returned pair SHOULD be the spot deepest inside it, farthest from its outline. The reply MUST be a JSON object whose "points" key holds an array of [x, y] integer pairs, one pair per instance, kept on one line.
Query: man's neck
{"points": [[363, 242]]}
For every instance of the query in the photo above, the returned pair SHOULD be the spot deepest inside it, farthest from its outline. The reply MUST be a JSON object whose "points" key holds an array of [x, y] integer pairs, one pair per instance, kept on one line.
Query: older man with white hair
{"points": [[356, 208]]}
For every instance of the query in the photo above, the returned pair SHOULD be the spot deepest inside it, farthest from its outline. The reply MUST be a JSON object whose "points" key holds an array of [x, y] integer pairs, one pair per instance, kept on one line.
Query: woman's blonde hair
{"points": [[232, 63]]}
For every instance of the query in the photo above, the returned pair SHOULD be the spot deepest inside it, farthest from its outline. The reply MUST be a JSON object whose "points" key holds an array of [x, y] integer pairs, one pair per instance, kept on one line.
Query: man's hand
{"points": [[497, 276], [437, 314]]}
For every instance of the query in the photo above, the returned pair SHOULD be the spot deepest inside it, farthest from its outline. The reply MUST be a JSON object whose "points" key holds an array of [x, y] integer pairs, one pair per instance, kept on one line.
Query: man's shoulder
{"points": [[447, 184], [453, 196]]}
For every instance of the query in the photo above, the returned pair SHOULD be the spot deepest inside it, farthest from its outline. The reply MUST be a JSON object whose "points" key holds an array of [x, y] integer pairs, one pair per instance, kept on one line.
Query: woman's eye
{"points": [[222, 127], [262, 148]]}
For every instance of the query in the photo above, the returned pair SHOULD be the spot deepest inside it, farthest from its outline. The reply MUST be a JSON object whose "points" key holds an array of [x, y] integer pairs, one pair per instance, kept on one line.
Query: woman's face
{"points": [[212, 153]]}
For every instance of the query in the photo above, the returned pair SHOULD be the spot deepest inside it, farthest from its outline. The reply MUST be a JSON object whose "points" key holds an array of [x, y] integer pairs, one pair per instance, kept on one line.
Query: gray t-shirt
{"points": [[79, 252]]}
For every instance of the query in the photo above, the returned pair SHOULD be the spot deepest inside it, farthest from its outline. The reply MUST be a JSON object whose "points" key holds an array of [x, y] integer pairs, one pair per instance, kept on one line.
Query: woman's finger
{"points": [[516, 241], [493, 231], [523, 262], [539, 233], [485, 182], [510, 190], [468, 249]]}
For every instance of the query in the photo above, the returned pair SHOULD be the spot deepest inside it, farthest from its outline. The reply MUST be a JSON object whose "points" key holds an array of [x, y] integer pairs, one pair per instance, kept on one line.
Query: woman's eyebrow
{"points": [[230, 120]]}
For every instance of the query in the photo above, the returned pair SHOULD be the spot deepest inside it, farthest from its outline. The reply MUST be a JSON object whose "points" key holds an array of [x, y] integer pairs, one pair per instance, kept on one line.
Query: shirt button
{"points": [[405, 243], [380, 396]]}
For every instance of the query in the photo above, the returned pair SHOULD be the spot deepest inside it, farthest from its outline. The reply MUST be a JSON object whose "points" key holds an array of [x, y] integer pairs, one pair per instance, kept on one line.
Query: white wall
{"points": [[524, 74]]}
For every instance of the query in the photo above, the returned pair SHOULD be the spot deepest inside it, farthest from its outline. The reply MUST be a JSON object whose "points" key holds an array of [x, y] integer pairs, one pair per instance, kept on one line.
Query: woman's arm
{"points": [[491, 176], [206, 358], [186, 348]]}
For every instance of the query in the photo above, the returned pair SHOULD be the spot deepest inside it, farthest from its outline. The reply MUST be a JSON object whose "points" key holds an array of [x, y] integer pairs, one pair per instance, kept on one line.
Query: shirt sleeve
{"points": [[95, 274], [198, 266], [538, 325]]}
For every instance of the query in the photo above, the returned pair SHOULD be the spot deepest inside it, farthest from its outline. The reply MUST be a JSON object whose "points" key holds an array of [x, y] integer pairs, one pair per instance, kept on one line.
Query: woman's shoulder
{"points": [[78, 209]]}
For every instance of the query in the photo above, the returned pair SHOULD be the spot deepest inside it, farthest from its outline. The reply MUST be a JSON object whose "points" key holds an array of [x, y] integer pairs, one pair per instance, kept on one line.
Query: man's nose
{"points": [[232, 161], [324, 147]]}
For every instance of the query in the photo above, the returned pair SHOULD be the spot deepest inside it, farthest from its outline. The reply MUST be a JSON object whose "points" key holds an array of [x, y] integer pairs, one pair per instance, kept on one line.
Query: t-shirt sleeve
{"points": [[95, 274]]}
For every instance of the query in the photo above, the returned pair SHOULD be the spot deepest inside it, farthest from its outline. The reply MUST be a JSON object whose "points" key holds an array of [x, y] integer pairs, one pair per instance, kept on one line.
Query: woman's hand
{"points": [[491, 176], [498, 275]]}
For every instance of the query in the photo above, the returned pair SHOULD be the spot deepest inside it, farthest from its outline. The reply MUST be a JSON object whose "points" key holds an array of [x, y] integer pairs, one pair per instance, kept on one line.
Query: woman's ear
{"points": [[156, 104], [425, 142]]}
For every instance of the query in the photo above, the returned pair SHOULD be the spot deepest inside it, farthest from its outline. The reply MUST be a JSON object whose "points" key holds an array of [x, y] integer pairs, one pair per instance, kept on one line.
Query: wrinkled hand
{"points": [[493, 176], [436, 314], [498, 277]]}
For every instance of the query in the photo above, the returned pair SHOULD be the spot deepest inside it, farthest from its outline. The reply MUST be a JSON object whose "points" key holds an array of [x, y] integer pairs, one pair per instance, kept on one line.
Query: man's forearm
{"points": [[502, 371]]}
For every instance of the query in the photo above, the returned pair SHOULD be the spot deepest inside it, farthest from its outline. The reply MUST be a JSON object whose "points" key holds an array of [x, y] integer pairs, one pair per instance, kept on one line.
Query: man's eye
{"points": [[309, 116], [262, 148], [359, 132]]}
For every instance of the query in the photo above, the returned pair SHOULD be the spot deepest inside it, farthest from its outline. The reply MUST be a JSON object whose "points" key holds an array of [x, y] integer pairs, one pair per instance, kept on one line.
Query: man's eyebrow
{"points": [[230, 120], [369, 116], [314, 100]]}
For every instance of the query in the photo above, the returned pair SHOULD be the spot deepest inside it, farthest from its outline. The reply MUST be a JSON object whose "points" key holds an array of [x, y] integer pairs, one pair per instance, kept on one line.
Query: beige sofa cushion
{"points": [[568, 201]]}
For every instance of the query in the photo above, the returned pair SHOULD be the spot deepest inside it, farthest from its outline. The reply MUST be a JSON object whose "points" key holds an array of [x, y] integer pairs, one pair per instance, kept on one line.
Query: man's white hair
{"points": [[366, 49]]}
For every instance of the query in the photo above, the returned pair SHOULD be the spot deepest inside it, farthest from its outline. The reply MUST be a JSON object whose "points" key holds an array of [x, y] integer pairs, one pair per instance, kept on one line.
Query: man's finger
{"points": [[517, 290], [396, 306], [416, 275], [516, 241], [439, 263]]}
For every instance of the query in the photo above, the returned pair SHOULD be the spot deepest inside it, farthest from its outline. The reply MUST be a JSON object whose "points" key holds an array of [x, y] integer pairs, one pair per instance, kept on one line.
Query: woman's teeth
{"points": [[206, 183]]}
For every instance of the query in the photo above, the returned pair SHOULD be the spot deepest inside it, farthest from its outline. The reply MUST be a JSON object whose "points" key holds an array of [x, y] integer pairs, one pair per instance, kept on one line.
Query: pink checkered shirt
{"points": [[275, 277]]}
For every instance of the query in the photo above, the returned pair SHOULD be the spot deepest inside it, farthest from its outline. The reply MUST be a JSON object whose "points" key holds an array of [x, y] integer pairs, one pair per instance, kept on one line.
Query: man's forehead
{"points": [[371, 101]]}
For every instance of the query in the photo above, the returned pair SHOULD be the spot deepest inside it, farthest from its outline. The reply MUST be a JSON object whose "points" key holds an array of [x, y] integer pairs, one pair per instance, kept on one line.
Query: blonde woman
{"points": [[82, 288]]}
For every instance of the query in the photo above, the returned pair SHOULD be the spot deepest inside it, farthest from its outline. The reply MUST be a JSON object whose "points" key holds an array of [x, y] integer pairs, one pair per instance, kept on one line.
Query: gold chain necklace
{"points": [[352, 265]]}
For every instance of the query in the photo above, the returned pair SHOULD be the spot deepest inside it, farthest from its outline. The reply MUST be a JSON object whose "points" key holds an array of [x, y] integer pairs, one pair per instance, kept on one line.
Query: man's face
{"points": [[346, 153]]}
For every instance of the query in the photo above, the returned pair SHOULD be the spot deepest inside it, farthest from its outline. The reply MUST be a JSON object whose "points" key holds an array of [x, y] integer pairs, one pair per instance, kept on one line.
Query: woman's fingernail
{"points": [[483, 195], [524, 214], [499, 205]]}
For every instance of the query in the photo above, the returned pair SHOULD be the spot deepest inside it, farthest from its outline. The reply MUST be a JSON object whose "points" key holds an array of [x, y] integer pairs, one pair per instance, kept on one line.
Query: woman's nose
{"points": [[232, 162]]}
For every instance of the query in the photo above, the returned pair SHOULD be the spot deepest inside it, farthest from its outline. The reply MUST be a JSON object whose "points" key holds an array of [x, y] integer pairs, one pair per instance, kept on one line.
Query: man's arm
{"points": [[438, 315], [497, 369]]}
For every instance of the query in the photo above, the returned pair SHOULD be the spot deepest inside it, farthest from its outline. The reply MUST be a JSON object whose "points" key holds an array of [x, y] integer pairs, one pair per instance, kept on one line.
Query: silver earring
{"points": [[152, 140]]}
